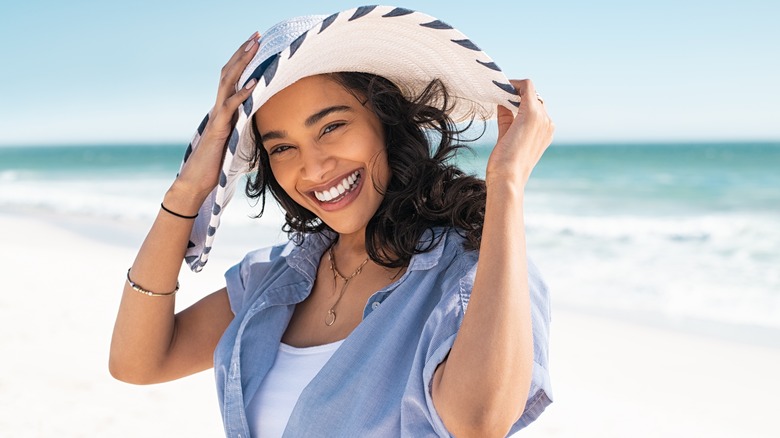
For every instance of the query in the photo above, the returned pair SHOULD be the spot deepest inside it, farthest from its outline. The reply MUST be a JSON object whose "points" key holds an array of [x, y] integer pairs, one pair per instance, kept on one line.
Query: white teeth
{"points": [[339, 189]]}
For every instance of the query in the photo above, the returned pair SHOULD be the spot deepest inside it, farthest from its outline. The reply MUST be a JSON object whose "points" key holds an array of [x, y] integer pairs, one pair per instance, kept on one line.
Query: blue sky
{"points": [[127, 71]]}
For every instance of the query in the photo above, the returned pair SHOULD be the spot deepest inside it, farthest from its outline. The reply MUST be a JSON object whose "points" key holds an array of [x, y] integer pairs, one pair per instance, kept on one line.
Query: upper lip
{"points": [[331, 183]]}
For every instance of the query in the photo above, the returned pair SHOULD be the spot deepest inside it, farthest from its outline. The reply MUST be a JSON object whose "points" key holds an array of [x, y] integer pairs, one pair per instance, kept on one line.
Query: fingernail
{"points": [[254, 34], [251, 83], [249, 45]]}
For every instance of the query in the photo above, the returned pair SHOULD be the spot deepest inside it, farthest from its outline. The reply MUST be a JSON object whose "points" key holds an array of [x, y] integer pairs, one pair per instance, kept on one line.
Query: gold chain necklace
{"points": [[330, 318]]}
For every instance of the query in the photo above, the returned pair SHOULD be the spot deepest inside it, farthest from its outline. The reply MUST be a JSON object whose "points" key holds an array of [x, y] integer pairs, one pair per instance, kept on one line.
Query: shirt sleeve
{"points": [[235, 278], [540, 394], [447, 324]]}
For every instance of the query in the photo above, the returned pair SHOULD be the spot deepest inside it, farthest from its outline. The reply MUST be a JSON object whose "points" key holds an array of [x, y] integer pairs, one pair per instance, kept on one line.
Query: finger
{"points": [[527, 92], [241, 95], [232, 71], [529, 98], [231, 104], [524, 87], [251, 41]]}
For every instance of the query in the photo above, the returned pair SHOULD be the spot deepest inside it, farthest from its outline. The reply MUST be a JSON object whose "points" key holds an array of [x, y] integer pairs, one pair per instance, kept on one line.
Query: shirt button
{"points": [[375, 305]]}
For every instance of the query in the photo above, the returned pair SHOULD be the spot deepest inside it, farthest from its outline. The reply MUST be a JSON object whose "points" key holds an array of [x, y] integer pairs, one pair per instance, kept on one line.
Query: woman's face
{"points": [[326, 150]]}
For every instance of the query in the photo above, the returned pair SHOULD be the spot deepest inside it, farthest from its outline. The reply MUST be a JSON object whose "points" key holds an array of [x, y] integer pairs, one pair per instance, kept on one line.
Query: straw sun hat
{"points": [[407, 47]]}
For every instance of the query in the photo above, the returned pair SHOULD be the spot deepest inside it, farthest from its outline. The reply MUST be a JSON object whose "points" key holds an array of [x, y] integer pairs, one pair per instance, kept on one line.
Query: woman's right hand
{"points": [[200, 173]]}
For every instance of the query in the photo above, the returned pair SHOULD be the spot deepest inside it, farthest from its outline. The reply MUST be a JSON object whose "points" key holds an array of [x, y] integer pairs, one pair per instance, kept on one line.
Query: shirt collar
{"points": [[427, 260], [305, 258]]}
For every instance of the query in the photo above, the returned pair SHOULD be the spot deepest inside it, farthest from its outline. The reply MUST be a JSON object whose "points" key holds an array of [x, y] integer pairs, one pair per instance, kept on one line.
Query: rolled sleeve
{"points": [[540, 394], [437, 357], [445, 325]]}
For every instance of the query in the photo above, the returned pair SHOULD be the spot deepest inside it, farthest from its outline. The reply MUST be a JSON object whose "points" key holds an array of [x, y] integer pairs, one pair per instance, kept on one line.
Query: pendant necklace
{"points": [[330, 319]]}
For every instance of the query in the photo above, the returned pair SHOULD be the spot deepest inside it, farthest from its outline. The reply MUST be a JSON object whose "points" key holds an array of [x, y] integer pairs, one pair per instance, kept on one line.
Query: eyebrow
{"points": [[310, 121]]}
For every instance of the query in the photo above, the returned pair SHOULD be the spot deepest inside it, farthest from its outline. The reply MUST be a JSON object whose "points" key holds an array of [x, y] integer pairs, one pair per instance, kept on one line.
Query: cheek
{"points": [[284, 176], [382, 166], [380, 174], [375, 152]]}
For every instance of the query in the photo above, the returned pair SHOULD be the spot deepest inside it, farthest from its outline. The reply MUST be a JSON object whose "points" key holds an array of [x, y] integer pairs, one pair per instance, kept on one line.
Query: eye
{"points": [[332, 127], [279, 149]]}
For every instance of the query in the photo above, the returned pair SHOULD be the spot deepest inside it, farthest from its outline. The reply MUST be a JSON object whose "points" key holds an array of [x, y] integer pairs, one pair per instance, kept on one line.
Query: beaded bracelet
{"points": [[146, 292]]}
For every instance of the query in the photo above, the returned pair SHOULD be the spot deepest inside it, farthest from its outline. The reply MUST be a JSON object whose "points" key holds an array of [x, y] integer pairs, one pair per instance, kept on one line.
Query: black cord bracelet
{"points": [[177, 214]]}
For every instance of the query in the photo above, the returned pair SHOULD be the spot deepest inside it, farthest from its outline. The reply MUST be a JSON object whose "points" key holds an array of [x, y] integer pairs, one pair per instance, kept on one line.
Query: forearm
{"points": [[486, 377], [145, 326], [150, 343]]}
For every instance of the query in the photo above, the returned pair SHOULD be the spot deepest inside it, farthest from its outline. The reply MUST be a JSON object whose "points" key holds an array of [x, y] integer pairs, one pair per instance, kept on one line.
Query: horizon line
{"points": [[584, 142]]}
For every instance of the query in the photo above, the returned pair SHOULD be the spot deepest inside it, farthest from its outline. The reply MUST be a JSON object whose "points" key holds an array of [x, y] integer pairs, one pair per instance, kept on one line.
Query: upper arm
{"points": [[197, 330], [539, 395]]}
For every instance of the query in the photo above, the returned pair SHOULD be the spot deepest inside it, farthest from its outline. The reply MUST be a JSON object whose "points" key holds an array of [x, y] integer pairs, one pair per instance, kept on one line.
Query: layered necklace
{"points": [[330, 318]]}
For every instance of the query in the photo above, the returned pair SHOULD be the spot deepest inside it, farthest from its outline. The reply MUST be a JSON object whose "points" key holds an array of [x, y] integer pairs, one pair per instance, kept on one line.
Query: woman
{"points": [[358, 326]]}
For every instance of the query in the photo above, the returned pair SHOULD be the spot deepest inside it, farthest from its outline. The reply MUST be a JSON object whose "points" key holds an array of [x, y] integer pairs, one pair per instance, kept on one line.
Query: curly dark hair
{"points": [[425, 190]]}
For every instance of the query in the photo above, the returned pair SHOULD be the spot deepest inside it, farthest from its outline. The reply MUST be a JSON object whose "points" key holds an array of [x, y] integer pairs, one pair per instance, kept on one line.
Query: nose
{"points": [[317, 163]]}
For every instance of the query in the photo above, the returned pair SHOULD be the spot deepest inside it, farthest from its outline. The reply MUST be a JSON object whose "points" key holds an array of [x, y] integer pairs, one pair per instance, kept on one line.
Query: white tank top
{"points": [[293, 369]]}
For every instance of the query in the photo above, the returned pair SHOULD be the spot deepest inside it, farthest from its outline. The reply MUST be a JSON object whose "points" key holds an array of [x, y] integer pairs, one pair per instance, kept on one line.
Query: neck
{"points": [[350, 250], [350, 253]]}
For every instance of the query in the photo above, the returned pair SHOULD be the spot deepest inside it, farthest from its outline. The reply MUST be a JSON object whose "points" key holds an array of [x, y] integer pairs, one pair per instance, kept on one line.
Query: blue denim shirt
{"points": [[378, 383]]}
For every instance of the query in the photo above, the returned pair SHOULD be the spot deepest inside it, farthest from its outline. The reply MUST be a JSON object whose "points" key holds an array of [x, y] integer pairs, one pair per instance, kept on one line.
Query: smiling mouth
{"points": [[340, 190]]}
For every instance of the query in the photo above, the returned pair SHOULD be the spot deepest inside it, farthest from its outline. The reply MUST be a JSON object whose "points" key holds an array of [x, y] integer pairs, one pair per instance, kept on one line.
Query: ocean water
{"points": [[684, 231]]}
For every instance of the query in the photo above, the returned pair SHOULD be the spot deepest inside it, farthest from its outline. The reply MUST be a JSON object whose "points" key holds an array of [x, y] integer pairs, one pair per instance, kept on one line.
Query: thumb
{"points": [[505, 119]]}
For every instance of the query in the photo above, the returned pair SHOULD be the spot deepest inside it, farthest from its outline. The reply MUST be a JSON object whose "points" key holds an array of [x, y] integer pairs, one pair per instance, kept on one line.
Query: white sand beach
{"points": [[612, 377]]}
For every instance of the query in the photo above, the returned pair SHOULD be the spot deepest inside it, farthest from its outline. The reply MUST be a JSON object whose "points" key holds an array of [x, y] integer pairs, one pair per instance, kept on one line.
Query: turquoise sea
{"points": [[685, 231]]}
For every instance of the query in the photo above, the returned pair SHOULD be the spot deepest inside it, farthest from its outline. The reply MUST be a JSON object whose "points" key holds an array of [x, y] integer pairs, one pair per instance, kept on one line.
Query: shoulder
{"points": [[265, 256], [273, 262], [443, 248], [260, 260], [457, 261], [445, 271], [291, 253], [456, 268]]}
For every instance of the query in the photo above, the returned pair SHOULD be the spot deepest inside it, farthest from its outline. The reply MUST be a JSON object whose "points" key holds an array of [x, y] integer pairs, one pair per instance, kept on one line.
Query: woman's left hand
{"points": [[522, 139]]}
